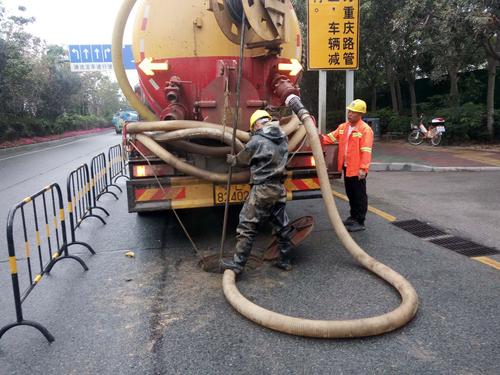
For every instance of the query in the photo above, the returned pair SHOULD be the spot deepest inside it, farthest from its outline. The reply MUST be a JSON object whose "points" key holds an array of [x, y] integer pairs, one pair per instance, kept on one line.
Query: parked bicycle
{"points": [[420, 133]]}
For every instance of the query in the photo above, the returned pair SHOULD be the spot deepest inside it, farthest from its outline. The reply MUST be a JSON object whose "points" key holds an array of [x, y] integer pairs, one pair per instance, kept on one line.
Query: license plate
{"points": [[238, 193], [440, 129]]}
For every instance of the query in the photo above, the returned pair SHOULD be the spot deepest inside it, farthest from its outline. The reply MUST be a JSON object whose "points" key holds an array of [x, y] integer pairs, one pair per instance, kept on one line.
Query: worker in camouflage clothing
{"points": [[266, 153]]}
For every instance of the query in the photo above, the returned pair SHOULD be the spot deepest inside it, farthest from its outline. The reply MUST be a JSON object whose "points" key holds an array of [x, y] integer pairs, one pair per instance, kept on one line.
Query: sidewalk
{"points": [[399, 155]]}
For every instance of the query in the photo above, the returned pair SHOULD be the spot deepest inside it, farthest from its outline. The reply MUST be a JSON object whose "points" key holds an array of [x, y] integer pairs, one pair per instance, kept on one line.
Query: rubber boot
{"points": [[237, 264], [285, 247]]}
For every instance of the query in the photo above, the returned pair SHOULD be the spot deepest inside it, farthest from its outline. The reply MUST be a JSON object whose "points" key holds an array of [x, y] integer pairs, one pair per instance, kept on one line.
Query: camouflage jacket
{"points": [[266, 153]]}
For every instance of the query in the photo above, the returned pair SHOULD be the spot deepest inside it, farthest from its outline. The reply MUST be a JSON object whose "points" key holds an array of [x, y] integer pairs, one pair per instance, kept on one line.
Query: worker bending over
{"points": [[266, 153], [355, 139]]}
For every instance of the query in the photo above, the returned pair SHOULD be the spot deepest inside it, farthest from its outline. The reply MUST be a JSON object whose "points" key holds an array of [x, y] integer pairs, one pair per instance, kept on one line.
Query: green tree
{"points": [[485, 18], [59, 87], [451, 39]]}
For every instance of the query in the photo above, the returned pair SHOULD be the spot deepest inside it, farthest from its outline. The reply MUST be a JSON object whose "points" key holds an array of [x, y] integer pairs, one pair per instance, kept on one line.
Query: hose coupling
{"points": [[294, 102]]}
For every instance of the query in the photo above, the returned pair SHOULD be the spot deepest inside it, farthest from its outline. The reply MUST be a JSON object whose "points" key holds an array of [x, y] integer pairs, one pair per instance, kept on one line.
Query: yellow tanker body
{"points": [[209, 64], [188, 64]]}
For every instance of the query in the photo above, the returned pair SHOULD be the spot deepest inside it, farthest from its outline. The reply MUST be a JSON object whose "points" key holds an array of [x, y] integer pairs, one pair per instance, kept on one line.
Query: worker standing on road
{"points": [[266, 153], [355, 139]]}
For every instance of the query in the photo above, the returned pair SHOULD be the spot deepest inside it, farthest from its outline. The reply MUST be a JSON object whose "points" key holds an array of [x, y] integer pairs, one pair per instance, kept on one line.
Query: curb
{"points": [[413, 167], [7, 150]]}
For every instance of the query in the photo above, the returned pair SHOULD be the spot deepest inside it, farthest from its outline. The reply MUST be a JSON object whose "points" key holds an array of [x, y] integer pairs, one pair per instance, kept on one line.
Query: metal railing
{"points": [[116, 163], [81, 204], [100, 179], [48, 252]]}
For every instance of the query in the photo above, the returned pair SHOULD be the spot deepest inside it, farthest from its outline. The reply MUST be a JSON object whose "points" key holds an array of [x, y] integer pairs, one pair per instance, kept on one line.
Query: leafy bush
{"points": [[15, 128], [465, 123], [391, 121]]}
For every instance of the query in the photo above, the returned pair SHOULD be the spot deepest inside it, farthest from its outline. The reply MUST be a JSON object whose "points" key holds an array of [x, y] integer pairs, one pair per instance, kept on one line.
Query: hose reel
{"points": [[267, 21]]}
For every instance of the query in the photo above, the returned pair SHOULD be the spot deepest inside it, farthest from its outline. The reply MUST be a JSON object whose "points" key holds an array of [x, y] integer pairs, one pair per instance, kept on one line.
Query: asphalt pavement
{"points": [[160, 313]]}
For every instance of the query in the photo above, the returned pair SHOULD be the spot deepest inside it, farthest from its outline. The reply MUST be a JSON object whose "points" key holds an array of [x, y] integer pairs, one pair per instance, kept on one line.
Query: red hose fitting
{"points": [[283, 88]]}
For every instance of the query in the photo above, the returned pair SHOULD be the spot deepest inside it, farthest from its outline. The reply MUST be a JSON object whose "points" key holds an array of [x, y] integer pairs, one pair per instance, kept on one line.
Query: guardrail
{"points": [[56, 247], [80, 200], [116, 163], [84, 187], [100, 180]]}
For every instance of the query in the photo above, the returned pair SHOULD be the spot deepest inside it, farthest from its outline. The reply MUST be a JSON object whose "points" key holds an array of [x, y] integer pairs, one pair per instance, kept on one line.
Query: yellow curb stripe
{"points": [[488, 261], [382, 214], [374, 210]]}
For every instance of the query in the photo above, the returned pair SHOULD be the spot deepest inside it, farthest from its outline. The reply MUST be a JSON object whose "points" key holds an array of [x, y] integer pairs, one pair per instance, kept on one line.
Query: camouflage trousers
{"points": [[266, 202]]}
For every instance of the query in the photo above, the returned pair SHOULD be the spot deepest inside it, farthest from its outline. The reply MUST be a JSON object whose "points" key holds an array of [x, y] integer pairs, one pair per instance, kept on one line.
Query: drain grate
{"points": [[465, 247], [419, 228], [457, 244]]}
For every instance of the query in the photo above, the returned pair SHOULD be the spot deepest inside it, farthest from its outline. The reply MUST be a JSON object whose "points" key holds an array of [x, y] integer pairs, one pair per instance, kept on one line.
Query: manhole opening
{"points": [[211, 263]]}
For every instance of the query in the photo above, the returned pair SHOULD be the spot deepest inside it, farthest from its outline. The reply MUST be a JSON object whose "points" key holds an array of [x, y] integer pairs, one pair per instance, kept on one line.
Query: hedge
{"points": [[15, 128]]}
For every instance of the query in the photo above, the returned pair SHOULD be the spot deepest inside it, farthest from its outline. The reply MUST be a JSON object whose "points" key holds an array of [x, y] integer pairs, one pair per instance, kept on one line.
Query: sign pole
{"points": [[349, 88], [322, 102], [333, 44]]}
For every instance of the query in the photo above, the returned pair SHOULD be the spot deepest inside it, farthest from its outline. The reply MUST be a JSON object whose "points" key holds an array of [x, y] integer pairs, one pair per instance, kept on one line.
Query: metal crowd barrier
{"points": [[100, 179], [55, 249], [116, 163], [81, 203]]}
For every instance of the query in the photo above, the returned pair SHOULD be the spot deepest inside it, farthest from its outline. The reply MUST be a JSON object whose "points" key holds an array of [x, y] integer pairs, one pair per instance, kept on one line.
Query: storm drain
{"points": [[419, 228], [457, 244], [464, 247]]}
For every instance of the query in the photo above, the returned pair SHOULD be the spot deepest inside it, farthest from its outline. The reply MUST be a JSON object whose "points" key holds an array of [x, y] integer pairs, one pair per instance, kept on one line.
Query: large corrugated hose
{"points": [[180, 129], [279, 322], [330, 328]]}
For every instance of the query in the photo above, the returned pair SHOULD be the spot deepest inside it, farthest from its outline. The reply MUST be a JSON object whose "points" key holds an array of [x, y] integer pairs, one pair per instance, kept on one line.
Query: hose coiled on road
{"points": [[330, 328], [296, 326]]}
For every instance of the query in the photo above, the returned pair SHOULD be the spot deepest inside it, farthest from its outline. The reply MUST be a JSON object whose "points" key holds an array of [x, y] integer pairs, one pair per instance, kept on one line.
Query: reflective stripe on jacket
{"points": [[359, 147]]}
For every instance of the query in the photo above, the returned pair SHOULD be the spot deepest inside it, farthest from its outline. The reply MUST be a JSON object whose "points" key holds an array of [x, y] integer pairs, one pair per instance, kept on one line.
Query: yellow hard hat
{"points": [[357, 105], [257, 115]]}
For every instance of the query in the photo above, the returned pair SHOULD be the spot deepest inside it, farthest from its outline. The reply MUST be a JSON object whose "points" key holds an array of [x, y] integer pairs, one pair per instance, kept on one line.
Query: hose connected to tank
{"points": [[279, 322], [329, 328]]}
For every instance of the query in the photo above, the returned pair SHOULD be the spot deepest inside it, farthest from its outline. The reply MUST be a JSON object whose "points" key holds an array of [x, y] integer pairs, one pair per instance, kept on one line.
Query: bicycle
{"points": [[420, 133]]}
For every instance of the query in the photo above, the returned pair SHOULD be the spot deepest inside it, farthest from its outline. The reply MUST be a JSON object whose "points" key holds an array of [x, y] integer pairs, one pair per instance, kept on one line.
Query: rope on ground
{"points": [[195, 248]]}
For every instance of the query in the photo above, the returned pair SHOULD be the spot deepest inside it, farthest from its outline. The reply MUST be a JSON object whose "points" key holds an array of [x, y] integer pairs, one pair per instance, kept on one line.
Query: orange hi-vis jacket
{"points": [[359, 146]]}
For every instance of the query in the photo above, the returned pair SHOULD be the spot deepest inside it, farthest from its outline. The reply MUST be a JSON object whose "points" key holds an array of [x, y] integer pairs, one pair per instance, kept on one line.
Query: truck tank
{"points": [[188, 56], [197, 62]]}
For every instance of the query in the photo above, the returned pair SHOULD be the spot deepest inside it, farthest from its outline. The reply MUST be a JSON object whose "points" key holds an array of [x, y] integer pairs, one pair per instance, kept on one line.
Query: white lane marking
{"points": [[45, 149]]}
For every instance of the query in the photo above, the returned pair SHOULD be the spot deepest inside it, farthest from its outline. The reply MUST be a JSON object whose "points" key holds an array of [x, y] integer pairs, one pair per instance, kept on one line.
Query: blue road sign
{"points": [[128, 57], [74, 53], [98, 54], [106, 50], [86, 51]]}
